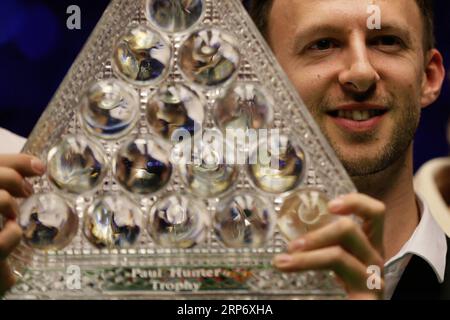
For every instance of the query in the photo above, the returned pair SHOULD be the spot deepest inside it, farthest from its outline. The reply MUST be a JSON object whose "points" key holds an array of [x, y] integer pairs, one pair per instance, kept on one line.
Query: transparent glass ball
{"points": [[304, 211], [113, 221], [277, 166], [209, 180], [178, 221], [109, 109], [48, 222], [207, 172], [209, 57], [76, 164], [245, 220], [142, 166], [174, 15], [245, 106], [175, 107], [142, 56]]}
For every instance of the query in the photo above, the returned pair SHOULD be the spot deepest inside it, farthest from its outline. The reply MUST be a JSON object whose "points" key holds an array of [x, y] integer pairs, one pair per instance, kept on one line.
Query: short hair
{"points": [[260, 11]]}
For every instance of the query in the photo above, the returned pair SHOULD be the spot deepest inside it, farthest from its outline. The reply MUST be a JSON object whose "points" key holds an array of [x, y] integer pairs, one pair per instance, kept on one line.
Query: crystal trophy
{"points": [[142, 197]]}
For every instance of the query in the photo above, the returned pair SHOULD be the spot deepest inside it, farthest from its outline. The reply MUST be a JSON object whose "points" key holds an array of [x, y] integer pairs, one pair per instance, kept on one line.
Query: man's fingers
{"points": [[14, 183], [343, 246], [10, 237], [7, 278], [25, 165], [343, 232], [370, 210], [8, 206], [349, 269], [358, 204]]}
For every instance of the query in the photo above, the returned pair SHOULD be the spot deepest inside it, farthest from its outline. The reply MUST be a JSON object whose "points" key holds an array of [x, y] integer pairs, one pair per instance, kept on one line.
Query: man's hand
{"points": [[13, 170], [343, 246]]}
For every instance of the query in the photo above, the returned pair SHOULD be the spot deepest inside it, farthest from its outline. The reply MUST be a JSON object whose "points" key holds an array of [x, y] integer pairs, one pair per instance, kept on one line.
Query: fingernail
{"points": [[336, 204], [297, 244], [37, 166], [27, 188], [282, 259]]}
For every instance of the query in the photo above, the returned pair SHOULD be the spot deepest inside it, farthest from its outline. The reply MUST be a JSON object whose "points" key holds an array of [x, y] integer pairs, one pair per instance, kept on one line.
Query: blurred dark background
{"points": [[37, 49]]}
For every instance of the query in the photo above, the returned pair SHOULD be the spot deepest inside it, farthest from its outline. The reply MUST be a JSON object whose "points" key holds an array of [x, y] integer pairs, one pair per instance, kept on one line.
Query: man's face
{"points": [[362, 86]]}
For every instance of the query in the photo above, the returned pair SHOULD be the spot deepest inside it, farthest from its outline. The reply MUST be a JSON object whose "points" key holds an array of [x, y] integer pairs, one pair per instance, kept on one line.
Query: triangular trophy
{"points": [[117, 216]]}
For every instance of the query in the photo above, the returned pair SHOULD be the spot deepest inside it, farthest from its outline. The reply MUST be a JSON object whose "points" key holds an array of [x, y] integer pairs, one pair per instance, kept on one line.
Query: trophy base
{"points": [[163, 276]]}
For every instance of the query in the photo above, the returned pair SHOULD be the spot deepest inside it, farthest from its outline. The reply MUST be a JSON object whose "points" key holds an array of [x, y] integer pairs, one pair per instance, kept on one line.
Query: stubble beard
{"points": [[394, 150]]}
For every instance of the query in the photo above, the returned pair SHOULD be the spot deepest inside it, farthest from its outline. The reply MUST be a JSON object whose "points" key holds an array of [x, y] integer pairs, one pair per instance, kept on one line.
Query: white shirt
{"points": [[428, 242], [10, 142], [427, 232]]}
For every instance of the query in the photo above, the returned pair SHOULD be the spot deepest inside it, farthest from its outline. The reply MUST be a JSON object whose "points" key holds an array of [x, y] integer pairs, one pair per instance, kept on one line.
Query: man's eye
{"points": [[387, 41], [323, 44]]}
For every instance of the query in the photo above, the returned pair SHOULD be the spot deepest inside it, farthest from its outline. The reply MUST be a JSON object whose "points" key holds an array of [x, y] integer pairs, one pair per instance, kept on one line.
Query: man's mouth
{"points": [[357, 117]]}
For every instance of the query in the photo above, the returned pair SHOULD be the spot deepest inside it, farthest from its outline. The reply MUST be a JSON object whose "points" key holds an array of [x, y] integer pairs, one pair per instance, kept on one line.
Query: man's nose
{"points": [[358, 75]]}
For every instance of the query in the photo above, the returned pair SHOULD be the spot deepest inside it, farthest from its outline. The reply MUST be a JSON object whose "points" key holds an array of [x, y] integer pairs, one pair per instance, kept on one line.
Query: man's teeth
{"points": [[358, 115]]}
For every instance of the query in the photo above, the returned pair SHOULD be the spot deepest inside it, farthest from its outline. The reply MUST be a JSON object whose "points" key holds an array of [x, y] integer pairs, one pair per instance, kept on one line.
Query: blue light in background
{"points": [[12, 15], [33, 28], [39, 33]]}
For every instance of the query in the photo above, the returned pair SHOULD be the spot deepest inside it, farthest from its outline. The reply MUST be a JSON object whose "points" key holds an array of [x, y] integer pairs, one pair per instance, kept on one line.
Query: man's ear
{"points": [[434, 77]]}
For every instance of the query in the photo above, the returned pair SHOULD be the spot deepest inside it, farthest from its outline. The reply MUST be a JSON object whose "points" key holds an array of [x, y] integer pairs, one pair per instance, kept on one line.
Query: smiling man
{"points": [[365, 88]]}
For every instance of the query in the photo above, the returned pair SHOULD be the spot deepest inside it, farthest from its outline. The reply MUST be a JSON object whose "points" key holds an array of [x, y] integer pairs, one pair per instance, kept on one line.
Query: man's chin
{"points": [[364, 167]]}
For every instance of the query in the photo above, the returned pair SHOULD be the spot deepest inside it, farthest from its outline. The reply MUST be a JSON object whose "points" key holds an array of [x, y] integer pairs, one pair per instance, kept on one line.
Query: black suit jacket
{"points": [[419, 281]]}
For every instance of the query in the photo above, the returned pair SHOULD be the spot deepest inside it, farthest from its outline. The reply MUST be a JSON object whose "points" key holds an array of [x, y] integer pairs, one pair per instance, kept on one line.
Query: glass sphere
{"points": [[174, 15], [113, 221], [245, 109], [175, 107], [178, 221], [245, 220], [245, 106], [209, 180], [277, 166], [76, 165], [207, 174], [109, 109], [48, 222], [209, 57], [304, 211], [142, 166], [142, 56]]}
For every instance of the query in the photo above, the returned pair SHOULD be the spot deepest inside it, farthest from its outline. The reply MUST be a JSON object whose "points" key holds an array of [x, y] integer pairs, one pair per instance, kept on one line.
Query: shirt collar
{"points": [[428, 242]]}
